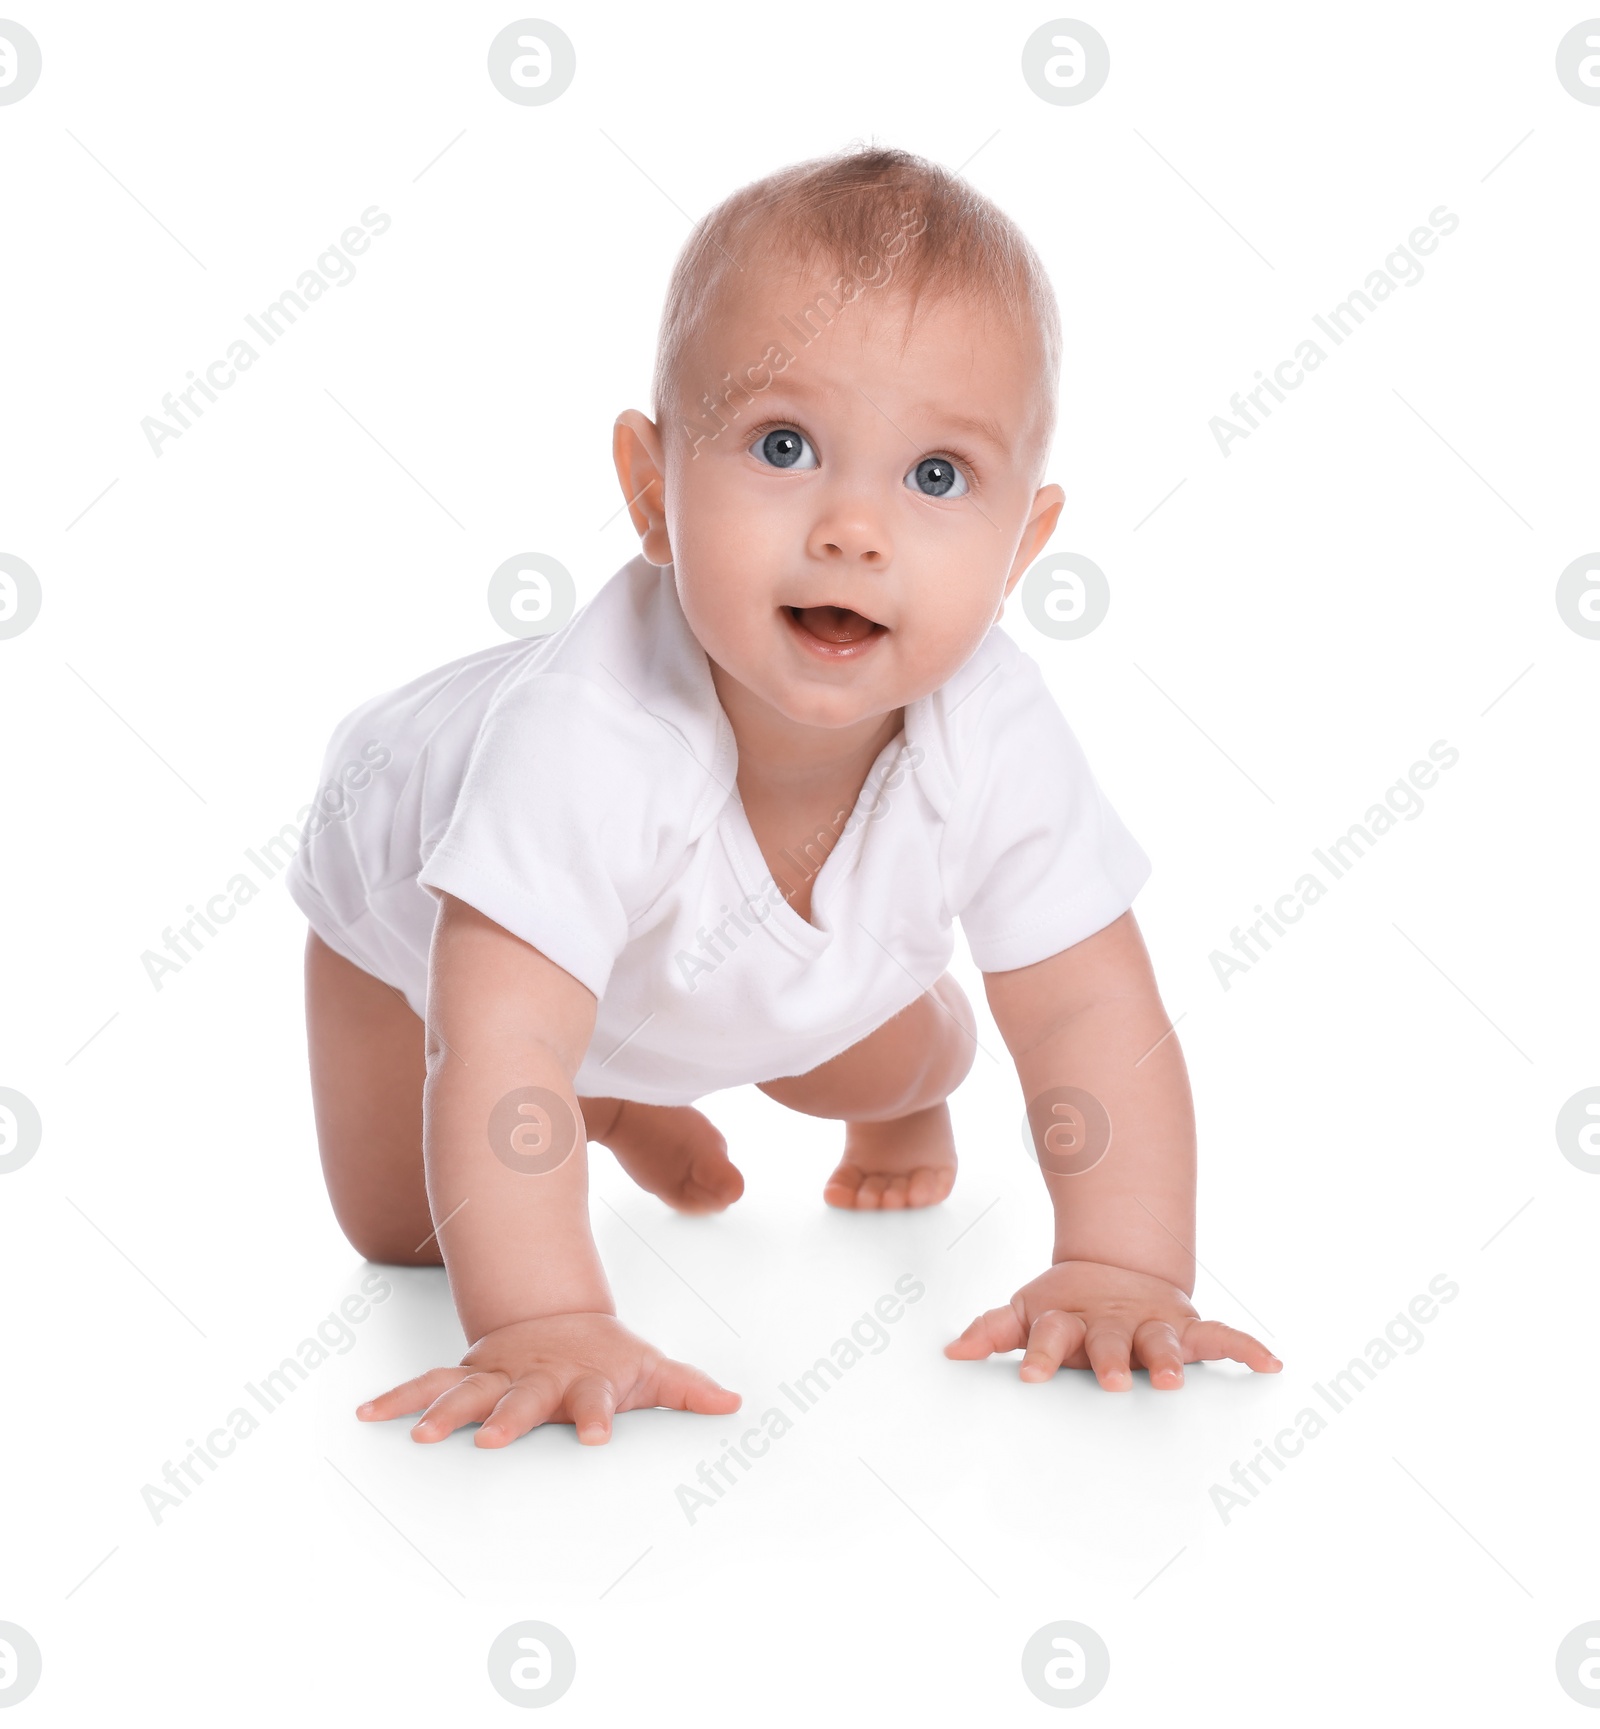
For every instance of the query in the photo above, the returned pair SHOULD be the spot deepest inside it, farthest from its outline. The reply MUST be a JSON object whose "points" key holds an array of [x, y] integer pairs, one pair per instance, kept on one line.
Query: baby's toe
{"points": [[929, 1184], [896, 1194], [840, 1189], [713, 1182], [870, 1194]]}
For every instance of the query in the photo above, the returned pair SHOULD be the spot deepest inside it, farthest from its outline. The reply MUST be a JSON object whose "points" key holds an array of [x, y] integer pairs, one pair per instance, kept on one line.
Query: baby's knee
{"points": [[964, 1023], [928, 1049], [952, 1041], [389, 1247]]}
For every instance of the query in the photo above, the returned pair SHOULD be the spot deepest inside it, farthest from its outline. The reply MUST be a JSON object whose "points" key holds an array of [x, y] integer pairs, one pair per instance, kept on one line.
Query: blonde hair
{"points": [[845, 209]]}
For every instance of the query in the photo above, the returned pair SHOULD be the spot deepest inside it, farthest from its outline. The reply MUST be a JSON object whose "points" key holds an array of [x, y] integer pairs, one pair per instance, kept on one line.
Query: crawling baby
{"points": [[717, 828]]}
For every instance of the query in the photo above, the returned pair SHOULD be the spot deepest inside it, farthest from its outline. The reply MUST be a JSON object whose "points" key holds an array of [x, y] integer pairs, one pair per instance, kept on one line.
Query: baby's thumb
{"points": [[994, 1330]]}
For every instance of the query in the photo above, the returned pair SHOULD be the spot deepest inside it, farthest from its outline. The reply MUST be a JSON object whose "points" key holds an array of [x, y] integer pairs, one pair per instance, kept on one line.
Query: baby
{"points": [[715, 830]]}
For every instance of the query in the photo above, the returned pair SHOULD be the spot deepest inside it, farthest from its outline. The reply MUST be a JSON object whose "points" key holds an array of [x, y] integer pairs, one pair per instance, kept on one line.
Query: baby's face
{"points": [[843, 544]]}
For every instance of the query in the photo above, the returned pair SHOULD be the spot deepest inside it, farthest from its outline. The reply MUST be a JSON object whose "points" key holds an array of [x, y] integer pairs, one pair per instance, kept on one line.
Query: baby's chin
{"points": [[833, 710], [824, 696]]}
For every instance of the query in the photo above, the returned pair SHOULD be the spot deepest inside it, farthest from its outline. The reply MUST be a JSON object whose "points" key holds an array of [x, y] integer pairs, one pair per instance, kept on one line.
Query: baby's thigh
{"points": [[913, 1061], [367, 1071]]}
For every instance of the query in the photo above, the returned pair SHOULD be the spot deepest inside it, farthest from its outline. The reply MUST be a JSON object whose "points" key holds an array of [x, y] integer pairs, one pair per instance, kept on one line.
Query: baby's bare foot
{"points": [[677, 1153], [910, 1162]]}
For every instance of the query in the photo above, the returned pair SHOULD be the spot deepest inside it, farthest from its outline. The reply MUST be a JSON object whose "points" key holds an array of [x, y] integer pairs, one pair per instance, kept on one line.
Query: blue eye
{"points": [[783, 447], [937, 477]]}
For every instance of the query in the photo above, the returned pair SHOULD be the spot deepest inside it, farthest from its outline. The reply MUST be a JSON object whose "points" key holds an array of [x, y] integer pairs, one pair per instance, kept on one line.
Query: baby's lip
{"points": [[831, 633], [834, 623]]}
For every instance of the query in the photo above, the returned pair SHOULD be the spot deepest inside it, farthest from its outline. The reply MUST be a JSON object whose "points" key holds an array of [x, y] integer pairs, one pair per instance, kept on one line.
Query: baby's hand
{"points": [[1083, 1315], [577, 1369]]}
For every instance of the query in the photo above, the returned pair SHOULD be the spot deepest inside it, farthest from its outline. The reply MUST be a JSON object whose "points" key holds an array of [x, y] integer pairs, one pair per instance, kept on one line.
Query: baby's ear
{"points": [[1043, 516], [636, 451]]}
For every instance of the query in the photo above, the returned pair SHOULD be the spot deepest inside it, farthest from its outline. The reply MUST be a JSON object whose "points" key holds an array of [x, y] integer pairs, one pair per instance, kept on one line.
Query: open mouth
{"points": [[833, 631]]}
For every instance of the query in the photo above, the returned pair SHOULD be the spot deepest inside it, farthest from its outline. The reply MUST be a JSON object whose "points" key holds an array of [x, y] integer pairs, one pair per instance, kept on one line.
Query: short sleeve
{"points": [[572, 810], [1037, 858]]}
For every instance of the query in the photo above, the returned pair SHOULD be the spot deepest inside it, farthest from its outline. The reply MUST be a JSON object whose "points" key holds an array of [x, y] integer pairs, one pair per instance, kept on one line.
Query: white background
{"points": [[1289, 631]]}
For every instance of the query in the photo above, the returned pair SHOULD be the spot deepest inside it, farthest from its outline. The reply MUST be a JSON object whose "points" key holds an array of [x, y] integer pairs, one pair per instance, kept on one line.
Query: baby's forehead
{"points": [[807, 297], [793, 327], [815, 311]]}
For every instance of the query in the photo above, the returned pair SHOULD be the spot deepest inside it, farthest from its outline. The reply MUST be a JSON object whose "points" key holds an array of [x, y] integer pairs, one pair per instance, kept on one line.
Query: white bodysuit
{"points": [[578, 789]]}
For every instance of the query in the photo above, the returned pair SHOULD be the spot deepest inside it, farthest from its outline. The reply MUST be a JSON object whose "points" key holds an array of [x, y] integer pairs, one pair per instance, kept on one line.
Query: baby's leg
{"points": [[890, 1089], [674, 1151], [367, 1068], [367, 1050]]}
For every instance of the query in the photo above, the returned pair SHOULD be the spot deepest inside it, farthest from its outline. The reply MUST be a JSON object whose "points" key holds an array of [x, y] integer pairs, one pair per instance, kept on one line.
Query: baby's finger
{"points": [[590, 1403], [680, 1387], [413, 1395], [1160, 1352], [469, 1401], [1109, 1350], [1208, 1339], [530, 1401], [1054, 1335], [994, 1330]]}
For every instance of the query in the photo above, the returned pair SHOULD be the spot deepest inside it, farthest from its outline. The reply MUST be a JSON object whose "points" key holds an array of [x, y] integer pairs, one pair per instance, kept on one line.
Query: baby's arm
{"points": [[532, 1296], [1117, 1293]]}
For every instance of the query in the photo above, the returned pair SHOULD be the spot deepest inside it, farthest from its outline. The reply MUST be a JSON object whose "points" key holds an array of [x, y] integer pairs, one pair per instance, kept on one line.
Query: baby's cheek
{"points": [[950, 624], [720, 604], [738, 566]]}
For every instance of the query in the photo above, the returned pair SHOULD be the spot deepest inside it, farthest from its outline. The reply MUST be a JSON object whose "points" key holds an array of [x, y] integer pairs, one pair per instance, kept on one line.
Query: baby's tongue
{"points": [[835, 623]]}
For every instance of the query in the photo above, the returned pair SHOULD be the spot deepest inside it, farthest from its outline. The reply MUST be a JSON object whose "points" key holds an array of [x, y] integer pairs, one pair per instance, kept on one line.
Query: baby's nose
{"points": [[854, 534]]}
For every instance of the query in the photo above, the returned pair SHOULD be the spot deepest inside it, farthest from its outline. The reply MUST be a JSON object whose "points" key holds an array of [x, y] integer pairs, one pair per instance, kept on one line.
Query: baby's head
{"points": [[854, 397]]}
